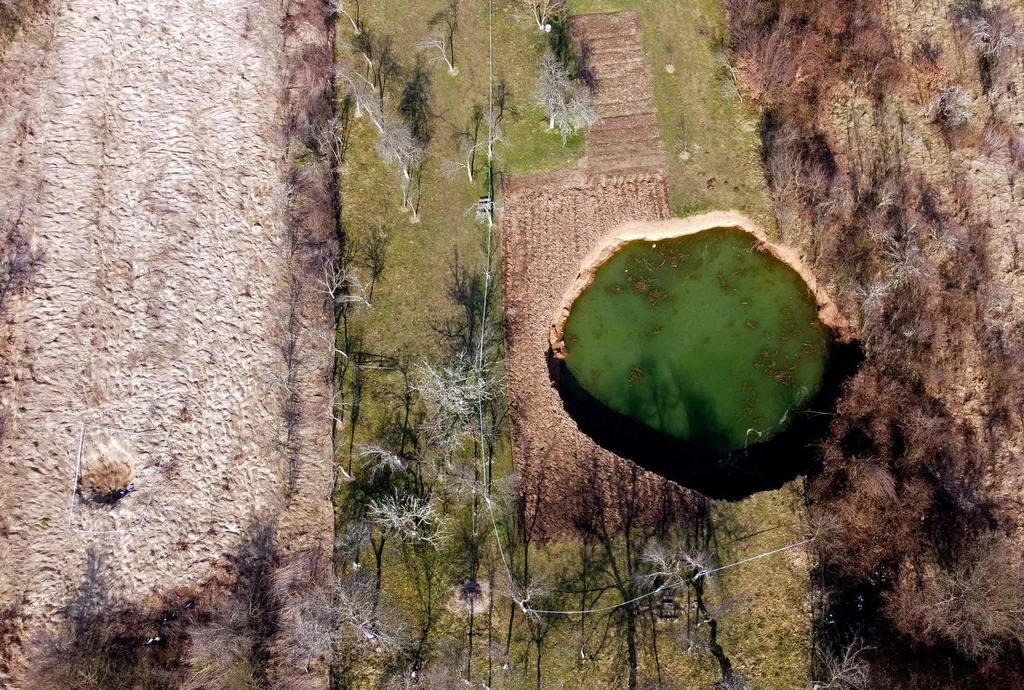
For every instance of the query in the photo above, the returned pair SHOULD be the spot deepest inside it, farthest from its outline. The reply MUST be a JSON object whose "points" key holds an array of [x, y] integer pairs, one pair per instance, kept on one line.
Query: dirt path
{"points": [[145, 140]]}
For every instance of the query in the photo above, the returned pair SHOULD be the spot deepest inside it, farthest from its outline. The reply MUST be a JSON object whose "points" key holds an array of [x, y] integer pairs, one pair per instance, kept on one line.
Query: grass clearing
{"points": [[411, 301]]}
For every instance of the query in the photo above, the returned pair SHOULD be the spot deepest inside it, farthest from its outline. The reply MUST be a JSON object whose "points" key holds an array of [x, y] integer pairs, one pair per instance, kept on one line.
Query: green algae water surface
{"points": [[703, 337]]}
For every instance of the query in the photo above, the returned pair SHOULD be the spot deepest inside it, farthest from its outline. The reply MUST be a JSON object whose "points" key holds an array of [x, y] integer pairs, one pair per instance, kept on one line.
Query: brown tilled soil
{"points": [[549, 223], [627, 137], [140, 147]]}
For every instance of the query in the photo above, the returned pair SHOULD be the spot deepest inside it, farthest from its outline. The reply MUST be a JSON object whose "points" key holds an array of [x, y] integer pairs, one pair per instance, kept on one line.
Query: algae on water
{"points": [[704, 337]]}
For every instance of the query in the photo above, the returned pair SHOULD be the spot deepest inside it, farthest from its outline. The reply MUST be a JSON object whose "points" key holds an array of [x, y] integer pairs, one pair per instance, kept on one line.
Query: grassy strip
{"points": [[711, 139], [413, 308]]}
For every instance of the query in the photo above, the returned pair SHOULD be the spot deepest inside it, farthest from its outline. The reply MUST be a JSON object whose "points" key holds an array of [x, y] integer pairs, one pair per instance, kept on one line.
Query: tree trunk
{"points": [[539, 645], [378, 556], [469, 657], [631, 645]]}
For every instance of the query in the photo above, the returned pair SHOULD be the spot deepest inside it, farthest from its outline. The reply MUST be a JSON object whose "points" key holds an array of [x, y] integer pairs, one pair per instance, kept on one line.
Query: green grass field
{"points": [[764, 617]]}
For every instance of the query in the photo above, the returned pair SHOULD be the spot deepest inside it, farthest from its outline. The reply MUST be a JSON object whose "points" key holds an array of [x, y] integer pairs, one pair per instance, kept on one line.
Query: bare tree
{"points": [[307, 623], [495, 134], [445, 24], [953, 109], [332, 136], [976, 604], [238, 634], [566, 102], [437, 41], [343, 287], [380, 461], [376, 254], [396, 145], [467, 143], [845, 670], [361, 613], [338, 7], [690, 569], [348, 547], [991, 31], [545, 11], [409, 517], [381, 63], [452, 393], [363, 94]]}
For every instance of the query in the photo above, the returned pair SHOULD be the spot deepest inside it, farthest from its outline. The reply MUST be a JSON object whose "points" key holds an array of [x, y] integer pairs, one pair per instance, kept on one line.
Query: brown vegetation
{"points": [[106, 643], [106, 472], [18, 259], [261, 625], [910, 247]]}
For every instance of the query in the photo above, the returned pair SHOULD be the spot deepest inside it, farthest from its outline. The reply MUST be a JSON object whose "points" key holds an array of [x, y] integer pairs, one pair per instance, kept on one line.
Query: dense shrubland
{"points": [[917, 558]]}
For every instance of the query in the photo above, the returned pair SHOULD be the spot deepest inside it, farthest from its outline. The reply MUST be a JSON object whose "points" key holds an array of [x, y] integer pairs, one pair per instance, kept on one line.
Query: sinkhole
{"points": [[699, 350]]}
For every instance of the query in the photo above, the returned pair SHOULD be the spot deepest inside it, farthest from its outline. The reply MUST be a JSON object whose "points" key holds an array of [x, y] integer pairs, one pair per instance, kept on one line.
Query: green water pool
{"points": [[702, 337]]}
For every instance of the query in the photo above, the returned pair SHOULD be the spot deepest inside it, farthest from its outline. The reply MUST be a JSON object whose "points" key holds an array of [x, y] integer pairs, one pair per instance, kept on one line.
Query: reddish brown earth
{"points": [[627, 137]]}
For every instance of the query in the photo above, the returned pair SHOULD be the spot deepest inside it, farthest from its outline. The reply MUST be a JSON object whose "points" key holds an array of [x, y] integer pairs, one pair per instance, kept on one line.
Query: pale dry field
{"points": [[140, 144]]}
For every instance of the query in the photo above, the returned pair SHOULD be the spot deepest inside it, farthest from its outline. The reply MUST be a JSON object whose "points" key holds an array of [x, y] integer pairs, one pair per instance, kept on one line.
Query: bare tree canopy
{"points": [[445, 24], [397, 146], [467, 143], [380, 59], [992, 31], [408, 517], [452, 393], [545, 11], [342, 7], [566, 102]]}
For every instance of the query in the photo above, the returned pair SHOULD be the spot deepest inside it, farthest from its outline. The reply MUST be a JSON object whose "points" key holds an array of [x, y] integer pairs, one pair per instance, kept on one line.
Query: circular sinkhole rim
{"points": [[653, 231]]}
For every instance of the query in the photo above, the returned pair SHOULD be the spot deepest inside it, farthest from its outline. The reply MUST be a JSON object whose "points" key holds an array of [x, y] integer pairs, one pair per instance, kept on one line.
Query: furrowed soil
{"points": [[548, 225], [144, 164]]}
